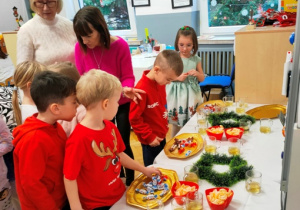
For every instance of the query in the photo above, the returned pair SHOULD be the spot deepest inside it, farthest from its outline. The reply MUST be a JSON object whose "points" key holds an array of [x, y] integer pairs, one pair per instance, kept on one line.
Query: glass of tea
{"points": [[245, 124], [240, 107], [178, 203], [265, 125], [190, 173], [211, 144], [194, 200], [253, 181], [234, 144], [228, 100], [155, 204], [201, 117]]}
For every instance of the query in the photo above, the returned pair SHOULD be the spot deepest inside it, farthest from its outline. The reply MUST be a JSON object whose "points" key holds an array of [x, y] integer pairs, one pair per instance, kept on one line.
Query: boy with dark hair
{"points": [[40, 143], [149, 118]]}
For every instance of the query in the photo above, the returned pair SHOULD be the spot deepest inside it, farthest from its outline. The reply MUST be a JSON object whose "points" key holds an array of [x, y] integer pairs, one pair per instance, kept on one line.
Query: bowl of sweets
{"points": [[182, 188], [219, 198], [216, 131], [234, 132]]}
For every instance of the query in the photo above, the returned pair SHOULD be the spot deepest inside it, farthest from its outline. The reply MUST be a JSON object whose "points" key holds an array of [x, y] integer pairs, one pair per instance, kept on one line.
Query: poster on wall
{"points": [[140, 3], [181, 3]]}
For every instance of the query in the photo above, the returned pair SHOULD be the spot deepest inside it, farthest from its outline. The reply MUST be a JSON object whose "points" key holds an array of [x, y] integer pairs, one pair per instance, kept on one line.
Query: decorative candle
{"points": [[146, 33]]}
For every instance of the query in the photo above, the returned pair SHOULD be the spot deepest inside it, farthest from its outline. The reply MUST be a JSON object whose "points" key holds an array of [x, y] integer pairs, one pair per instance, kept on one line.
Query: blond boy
{"points": [[94, 151]]}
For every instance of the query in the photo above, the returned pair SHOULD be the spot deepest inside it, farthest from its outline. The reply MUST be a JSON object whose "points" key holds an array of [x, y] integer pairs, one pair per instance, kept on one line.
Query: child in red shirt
{"points": [[40, 143], [149, 118], [95, 150]]}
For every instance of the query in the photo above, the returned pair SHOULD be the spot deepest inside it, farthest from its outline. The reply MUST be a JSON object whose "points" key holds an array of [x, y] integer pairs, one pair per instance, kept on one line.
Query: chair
{"points": [[217, 81]]}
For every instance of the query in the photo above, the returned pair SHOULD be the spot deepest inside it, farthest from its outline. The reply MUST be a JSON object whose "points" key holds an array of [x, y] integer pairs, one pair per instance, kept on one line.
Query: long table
{"points": [[262, 151]]}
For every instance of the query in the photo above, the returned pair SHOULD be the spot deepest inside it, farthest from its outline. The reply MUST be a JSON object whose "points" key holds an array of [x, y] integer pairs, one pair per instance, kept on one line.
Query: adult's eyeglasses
{"points": [[49, 4]]}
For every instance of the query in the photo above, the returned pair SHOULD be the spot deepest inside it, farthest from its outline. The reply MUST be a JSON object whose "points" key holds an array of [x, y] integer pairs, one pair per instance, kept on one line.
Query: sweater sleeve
{"points": [[5, 138], [32, 174], [142, 129], [25, 49], [78, 59], [127, 77]]}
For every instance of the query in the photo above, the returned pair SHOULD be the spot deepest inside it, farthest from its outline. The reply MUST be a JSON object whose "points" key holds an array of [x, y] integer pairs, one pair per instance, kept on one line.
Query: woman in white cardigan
{"points": [[48, 37]]}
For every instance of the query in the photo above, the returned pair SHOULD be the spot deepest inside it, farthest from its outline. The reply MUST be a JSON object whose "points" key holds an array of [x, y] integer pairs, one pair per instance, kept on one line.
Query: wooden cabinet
{"points": [[10, 39], [260, 55]]}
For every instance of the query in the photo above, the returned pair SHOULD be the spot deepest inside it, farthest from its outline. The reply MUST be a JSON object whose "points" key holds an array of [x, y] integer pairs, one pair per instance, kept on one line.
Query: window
{"points": [[118, 14], [222, 17]]}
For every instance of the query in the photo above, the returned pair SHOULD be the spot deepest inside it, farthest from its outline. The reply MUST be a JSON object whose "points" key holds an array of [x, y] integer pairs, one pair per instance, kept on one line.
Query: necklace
{"points": [[98, 64]]}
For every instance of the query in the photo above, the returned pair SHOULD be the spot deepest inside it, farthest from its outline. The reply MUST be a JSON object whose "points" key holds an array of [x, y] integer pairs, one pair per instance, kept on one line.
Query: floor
{"points": [[137, 148]]}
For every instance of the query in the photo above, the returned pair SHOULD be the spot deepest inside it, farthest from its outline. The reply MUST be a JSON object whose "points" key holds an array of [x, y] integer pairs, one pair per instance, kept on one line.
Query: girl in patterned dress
{"points": [[184, 94]]}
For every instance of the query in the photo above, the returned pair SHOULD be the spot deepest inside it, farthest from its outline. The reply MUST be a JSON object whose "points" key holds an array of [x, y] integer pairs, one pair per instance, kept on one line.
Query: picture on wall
{"points": [[115, 12], [140, 3], [181, 3]]}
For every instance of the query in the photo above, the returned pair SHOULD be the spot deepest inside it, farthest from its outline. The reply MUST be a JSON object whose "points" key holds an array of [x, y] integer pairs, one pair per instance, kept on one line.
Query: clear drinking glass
{"points": [[240, 107], [211, 144], [156, 204], [190, 173], [194, 200], [243, 101], [265, 125], [228, 100], [178, 203], [253, 181], [245, 124], [234, 144]]}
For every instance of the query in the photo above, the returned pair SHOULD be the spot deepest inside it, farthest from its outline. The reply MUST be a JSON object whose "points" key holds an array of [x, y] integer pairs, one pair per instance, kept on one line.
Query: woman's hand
{"points": [[182, 77], [133, 93]]}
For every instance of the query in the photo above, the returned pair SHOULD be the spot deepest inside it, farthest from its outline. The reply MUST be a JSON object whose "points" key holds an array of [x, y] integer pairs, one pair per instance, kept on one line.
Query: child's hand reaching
{"points": [[150, 171], [182, 77], [156, 142]]}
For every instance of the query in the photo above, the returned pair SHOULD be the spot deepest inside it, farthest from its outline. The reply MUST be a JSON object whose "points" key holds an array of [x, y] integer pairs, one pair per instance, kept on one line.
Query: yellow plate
{"points": [[267, 111], [194, 150], [218, 102], [136, 199]]}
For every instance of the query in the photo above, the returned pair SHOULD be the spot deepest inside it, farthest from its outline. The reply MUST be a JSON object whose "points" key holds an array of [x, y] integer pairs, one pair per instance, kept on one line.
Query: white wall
{"points": [[7, 19], [69, 9], [163, 7]]}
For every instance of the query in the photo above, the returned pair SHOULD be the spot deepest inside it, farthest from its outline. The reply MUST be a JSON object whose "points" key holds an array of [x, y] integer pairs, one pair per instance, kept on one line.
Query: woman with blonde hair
{"points": [[47, 37], [23, 77]]}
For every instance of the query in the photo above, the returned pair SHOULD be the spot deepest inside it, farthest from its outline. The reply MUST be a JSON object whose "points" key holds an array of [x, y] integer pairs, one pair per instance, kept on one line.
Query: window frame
{"points": [[221, 30]]}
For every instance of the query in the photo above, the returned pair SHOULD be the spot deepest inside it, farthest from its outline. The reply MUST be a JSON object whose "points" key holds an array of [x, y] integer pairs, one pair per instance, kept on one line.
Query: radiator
{"points": [[216, 59]]}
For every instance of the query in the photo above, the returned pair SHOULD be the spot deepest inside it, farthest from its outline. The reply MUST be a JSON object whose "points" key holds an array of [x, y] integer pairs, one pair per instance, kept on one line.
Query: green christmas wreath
{"points": [[236, 173], [228, 119]]}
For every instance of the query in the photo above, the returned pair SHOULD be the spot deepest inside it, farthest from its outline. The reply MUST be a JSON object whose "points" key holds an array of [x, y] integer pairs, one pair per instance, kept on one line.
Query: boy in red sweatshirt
{"points": [[95, 149], [40, 143], [149, 118]]}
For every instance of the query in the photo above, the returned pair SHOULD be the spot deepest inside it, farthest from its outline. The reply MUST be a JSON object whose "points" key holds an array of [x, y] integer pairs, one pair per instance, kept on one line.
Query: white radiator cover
{"points": [[216, 59]]}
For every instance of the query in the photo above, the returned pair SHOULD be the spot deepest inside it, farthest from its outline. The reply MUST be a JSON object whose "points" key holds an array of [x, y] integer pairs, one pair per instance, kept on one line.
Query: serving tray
{"points": [[193, 150], [136, 199], [267, 111]]}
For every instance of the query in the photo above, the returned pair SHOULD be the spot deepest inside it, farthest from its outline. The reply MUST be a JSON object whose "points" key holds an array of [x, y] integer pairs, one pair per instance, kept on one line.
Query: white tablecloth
{"points": [[142, 62], [262, 151]]}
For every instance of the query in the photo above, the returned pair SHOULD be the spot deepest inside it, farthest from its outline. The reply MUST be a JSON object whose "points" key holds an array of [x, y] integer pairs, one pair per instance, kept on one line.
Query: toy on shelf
{"points": [[18, 17], [275, 18], [252, 23]]}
